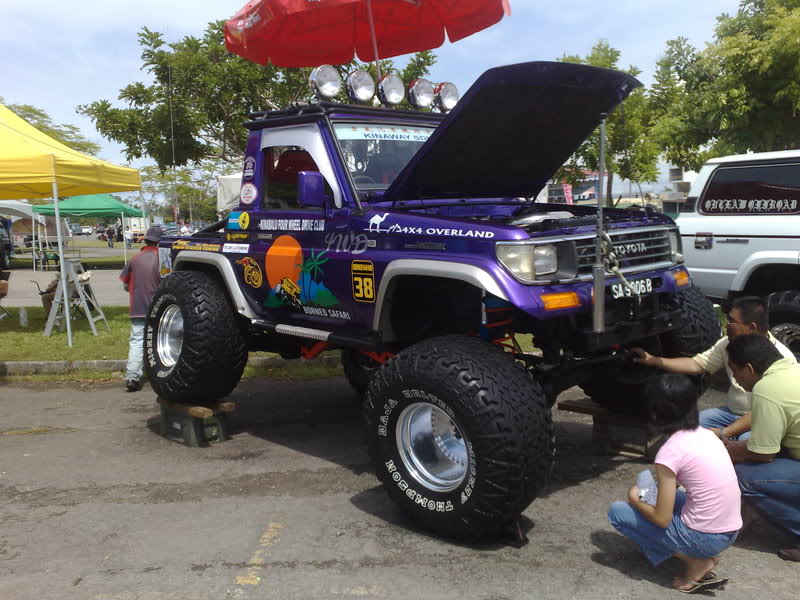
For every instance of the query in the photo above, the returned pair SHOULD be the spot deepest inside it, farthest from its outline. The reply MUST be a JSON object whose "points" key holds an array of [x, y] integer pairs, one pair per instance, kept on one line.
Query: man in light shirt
{"points": [[768, 463], [747, 316]]}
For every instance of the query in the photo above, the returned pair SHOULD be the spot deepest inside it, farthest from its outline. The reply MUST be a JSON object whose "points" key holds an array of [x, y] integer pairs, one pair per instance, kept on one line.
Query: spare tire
{"points": [[459, 434], [194, 343], [621, 388]]}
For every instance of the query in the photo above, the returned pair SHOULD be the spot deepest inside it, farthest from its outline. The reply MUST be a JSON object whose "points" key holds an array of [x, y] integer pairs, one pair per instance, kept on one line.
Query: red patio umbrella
{"points": [[308, 33]]}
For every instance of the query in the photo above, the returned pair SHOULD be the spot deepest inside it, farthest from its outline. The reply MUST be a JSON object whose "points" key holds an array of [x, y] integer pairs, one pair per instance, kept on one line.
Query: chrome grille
{"points": [[635, 250]]}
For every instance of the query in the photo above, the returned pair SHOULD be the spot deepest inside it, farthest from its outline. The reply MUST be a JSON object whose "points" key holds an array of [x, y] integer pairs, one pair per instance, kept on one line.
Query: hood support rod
{"points": [[598, 270]]}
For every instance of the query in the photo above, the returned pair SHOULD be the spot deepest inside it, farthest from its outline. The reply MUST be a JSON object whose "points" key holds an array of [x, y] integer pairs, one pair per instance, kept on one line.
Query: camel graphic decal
{"points": [[376, 222]]}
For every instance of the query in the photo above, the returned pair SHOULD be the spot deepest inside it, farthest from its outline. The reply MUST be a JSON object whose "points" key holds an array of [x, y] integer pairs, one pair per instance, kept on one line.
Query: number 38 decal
{"points": [[363, 274]]}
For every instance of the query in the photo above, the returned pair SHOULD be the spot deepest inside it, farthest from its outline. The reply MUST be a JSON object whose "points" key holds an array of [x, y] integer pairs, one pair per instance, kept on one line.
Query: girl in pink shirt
{"points": [[696, 525]]}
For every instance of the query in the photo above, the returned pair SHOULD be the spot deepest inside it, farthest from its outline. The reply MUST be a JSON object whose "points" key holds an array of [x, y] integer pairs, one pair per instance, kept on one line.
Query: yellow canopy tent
{"points": [[34, 165]]}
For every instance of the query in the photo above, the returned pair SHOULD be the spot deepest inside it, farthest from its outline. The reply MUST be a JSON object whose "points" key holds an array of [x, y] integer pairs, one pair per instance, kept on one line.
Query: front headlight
{"points": [[676, 246], [527, 261]]}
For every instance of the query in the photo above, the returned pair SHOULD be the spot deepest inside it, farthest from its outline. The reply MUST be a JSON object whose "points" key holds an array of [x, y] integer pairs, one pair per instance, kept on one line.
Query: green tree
{"points": [[191, 189], [630, 153], [673, 125], [742, 92], [199, 97], [65, 133]]}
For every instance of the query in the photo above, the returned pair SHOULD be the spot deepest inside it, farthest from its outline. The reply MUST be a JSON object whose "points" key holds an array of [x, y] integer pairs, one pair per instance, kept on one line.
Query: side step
{"points": [[320, 335]]}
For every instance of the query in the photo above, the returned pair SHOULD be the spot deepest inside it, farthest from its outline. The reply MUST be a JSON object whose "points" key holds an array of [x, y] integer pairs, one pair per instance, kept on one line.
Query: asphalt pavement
{"points": [[95, 505]]}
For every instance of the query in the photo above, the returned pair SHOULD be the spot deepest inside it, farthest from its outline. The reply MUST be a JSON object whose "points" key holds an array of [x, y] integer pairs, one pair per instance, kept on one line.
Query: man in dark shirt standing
{"points": [[140, 278]]}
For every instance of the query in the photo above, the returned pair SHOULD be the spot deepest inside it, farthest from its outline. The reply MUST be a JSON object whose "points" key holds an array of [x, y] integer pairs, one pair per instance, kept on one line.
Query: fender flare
{"points": [[759, 259], [223, 266], [472, 274]]}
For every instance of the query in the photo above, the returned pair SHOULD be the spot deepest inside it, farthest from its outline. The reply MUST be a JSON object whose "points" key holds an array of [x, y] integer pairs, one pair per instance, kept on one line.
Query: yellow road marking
{"points": [[256, 562]]}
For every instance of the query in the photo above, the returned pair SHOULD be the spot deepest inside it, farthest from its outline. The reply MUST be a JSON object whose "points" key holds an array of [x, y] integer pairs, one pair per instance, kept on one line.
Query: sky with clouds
{"points": [[63, 54]]}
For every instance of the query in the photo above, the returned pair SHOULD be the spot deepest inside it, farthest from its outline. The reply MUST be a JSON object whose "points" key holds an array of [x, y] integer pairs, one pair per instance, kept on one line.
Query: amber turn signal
{"points": [[681, 278], [560, 300]]}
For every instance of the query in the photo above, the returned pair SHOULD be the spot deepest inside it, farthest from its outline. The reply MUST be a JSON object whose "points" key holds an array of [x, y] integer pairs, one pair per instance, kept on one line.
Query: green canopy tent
{"points": [[93, 205]]}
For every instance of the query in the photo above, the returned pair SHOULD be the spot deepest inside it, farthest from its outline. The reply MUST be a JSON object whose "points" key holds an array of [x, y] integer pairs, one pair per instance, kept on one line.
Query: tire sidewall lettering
{"points": [[159, 305], [425, 502], [422, 498]]}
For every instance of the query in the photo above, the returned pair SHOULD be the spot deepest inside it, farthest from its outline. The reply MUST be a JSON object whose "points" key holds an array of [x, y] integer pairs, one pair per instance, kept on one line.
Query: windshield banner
{"points": [[373, 132]]}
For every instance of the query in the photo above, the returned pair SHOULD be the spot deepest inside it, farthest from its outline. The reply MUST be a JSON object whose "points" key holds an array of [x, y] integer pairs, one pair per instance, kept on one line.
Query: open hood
{"points": [[511, 131]]}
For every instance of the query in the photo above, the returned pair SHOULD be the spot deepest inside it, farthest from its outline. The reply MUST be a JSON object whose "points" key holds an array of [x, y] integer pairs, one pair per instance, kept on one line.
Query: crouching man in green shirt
{"points": [[768, 464]]}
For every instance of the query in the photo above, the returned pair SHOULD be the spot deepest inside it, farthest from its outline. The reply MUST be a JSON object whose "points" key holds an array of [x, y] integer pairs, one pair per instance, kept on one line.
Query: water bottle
{"points": [[23, 317]]}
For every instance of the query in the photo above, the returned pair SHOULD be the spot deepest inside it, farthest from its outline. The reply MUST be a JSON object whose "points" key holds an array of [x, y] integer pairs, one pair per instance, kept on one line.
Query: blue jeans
{"points": [[135, 350], [773, 490], [659, 544], [720, 417]]}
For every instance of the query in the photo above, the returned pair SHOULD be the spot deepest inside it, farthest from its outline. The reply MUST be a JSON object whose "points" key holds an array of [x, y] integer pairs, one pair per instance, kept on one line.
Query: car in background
{"points": [[170, 230], [75, 229], [87, 230], [739, 228]]}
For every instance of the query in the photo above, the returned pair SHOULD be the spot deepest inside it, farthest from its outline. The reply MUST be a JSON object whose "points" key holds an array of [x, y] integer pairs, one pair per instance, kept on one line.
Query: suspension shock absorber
{"points": [[496, 319]]}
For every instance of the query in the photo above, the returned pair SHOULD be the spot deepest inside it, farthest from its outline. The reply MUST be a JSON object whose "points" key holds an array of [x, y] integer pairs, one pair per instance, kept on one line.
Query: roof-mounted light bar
{"points": [[391, 90], [325, 82], [360, 87], [445, 96], [420, 93]]}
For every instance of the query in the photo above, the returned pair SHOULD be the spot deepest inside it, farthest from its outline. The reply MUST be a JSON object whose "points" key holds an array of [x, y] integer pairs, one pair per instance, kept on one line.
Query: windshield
{"points": [[376, 153]]}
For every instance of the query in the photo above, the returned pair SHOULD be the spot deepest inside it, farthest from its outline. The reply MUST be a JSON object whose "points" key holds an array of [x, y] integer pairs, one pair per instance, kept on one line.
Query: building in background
{"points": [[584, 191]]}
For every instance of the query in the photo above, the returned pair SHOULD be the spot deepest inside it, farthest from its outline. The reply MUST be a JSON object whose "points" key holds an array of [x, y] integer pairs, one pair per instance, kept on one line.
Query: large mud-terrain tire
{"points": [[194, 344], [459, 434], [621, 389], [358, 369], [784, 319], [5, 258]]}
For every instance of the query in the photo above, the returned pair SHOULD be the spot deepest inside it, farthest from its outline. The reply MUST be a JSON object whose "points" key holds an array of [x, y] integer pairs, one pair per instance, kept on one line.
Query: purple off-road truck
{"points": [[410, 241]]}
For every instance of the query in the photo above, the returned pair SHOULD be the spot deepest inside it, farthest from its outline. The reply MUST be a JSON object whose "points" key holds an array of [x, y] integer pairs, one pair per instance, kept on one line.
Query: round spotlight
{"points": [[420, 93], [445, 96], [391, 90], [360, 86], [325, 81]]}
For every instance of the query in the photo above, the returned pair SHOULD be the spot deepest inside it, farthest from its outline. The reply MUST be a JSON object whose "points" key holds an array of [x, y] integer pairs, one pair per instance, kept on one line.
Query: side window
{"points": [[282, 165], [753, 190]]}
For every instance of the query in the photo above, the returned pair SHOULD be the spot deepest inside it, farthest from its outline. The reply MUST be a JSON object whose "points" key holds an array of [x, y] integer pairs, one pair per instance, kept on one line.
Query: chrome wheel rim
{"points": [[432, 447], [169, 340]]}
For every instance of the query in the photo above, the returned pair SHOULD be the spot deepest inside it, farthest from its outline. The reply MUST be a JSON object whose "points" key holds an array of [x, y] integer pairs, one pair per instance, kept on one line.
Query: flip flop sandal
{"points": [[711, 578], [699, 585]]}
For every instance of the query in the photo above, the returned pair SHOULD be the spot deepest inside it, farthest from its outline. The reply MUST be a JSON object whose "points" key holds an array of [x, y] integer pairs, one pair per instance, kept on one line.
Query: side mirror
{"points": [[311, 189]]}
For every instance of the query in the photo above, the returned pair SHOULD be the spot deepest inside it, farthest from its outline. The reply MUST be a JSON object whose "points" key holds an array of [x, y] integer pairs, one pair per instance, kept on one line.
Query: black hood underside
{"points": [[512, 131]]}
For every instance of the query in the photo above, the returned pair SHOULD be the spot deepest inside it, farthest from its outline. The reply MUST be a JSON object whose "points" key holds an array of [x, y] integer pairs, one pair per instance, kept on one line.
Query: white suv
{"points": [[741, 234]]}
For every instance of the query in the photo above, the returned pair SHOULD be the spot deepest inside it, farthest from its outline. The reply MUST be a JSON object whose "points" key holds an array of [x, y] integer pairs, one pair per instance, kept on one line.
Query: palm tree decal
{"points": [[309, 269]]}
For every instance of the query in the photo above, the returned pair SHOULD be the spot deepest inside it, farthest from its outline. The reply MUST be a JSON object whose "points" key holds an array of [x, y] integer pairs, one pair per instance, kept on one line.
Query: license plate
{"points": [[640, 286]]}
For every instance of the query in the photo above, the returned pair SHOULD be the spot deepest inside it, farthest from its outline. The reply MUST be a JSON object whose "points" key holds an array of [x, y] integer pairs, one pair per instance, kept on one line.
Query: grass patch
{"points": [[29, 343], [294, 372]]}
